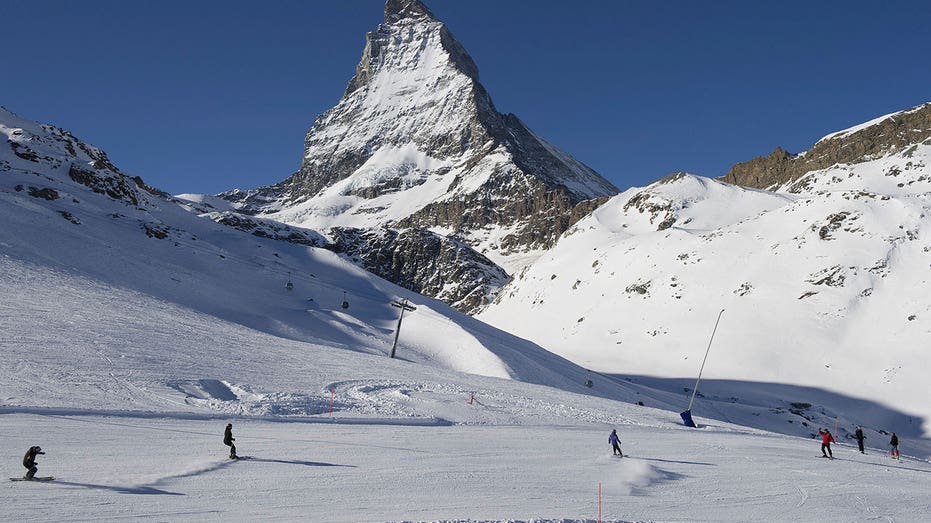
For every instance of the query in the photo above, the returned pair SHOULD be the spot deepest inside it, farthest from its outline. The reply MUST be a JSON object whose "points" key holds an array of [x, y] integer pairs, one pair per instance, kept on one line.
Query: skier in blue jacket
{"points": [[615, 444]]}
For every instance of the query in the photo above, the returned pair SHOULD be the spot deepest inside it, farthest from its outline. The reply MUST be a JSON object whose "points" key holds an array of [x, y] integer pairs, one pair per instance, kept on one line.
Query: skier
{"points": [[826, 440], [228, 440], [894, 442], [860, 437], [615, 444], [29, 461]]}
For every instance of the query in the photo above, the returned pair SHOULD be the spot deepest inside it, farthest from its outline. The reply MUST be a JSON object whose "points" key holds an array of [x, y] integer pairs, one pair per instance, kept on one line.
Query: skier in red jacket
{"points": [[826, 440]]}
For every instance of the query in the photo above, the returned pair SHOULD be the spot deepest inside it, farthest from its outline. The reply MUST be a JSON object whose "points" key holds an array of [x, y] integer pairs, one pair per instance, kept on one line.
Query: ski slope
{"points": [[170, 469]]}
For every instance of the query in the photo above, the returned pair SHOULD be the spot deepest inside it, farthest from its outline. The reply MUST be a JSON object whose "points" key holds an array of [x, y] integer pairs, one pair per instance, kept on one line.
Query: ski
{"points": [[38, 478]]}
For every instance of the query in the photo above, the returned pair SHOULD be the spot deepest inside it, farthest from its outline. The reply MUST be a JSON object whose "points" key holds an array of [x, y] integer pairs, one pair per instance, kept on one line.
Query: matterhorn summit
{"points": [[416, 149]]}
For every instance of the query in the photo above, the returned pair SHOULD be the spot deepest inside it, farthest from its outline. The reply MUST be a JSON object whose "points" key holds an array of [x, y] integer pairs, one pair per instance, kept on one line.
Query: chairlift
{"points": [[289, 285], [345, 304]]}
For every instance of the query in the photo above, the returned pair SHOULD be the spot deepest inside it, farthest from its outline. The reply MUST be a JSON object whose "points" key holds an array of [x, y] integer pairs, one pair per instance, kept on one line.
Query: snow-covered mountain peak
{"points": [[683, 201], [416, 143], [411, 40], [400, 11]]}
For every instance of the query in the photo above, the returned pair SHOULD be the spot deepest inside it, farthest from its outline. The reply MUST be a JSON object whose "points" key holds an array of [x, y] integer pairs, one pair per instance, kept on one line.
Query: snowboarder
{"points": [[894, 442], [29, 461], [228, 440], [860, 437], [826, 440], [615, 444]]}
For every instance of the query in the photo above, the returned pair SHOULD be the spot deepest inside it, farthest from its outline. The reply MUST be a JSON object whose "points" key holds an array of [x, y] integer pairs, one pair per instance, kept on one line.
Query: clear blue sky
{"points": [[205, 96]]}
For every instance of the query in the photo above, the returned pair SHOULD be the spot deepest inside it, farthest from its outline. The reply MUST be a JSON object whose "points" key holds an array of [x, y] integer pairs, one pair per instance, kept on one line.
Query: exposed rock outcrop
{"points": [[38, 148], [424, 262], [880, 137]]}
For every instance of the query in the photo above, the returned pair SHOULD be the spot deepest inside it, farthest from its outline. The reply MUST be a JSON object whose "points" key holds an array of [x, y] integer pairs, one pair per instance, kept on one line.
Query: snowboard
{"points": [[36, 478]]}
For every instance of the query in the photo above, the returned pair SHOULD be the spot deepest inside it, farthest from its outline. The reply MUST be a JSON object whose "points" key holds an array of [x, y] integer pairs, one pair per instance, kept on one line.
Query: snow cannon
{"points": [[687, 418]]}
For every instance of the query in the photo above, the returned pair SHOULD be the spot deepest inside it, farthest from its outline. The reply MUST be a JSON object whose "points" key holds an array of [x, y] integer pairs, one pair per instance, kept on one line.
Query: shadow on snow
{"points": [[143, 490], [786, 409], [297, 462]]}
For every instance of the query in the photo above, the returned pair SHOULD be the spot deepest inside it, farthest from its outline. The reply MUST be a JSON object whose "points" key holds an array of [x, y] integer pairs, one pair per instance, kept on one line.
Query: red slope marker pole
{"points": [[471, 398], [599, 503]]}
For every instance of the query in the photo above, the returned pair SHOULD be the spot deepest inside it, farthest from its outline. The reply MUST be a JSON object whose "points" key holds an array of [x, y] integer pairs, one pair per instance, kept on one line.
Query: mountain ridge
{"points": [[878, 137]]}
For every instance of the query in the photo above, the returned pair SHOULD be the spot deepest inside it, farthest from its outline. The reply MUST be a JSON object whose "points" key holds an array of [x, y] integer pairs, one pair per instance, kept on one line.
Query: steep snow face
{"points": [[824, 283], [416, 142], [415, 103], [405, 108]]}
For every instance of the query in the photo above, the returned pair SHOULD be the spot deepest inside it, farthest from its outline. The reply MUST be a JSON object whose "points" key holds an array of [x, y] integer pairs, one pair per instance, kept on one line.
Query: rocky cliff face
{"points": [[37, 149], [416, 145], [882, 136], [424, 262], [77, 182]]}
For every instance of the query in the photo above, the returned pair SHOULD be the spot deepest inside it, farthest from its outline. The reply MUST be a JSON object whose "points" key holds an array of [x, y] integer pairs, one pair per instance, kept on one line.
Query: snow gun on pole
{"points": [[687, 415]]}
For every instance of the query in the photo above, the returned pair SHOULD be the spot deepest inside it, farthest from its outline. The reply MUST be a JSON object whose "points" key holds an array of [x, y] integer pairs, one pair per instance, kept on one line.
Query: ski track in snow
{"points": [[370, 472]]}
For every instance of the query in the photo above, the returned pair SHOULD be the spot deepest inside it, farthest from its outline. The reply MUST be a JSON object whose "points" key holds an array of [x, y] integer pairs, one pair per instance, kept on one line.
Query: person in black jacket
{"points": [[894, 442], [228, 440], [860, 437], [29, 461]]}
